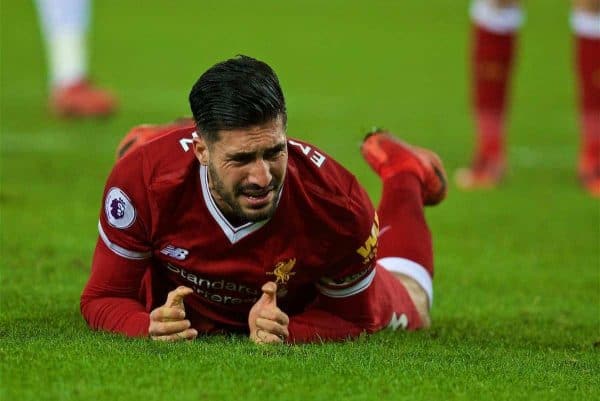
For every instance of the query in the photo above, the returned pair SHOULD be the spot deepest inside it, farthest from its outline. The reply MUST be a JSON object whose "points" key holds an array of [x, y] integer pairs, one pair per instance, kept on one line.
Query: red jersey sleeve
{"points": [[354, 271], [125, 217], [111, 298]]}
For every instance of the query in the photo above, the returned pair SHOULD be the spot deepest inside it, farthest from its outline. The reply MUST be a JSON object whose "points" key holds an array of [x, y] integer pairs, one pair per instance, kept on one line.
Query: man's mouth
{"points": [[258, 198]]}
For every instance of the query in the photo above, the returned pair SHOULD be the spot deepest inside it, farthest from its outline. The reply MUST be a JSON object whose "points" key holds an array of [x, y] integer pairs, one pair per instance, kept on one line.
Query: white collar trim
{"points": [[234, 234]]}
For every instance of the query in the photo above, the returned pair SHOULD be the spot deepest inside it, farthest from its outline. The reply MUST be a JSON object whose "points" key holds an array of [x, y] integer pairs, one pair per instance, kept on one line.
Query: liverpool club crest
{"points": [[283, 273]]}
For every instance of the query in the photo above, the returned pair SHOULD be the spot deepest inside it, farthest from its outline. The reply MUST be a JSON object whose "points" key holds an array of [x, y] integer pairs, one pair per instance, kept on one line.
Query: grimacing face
{"points": [[246, 169]]}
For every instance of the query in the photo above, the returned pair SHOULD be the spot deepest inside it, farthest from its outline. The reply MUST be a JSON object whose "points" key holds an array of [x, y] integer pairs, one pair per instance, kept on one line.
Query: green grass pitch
{"points": [[517, 309]]}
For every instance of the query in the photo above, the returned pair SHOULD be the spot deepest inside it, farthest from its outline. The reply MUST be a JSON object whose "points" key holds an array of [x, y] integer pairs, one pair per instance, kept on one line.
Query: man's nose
{"points": [[260, 173]]}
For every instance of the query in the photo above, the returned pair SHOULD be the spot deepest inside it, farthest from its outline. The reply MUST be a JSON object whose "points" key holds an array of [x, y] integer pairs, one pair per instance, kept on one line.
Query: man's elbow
{"points": [[85, 308]]}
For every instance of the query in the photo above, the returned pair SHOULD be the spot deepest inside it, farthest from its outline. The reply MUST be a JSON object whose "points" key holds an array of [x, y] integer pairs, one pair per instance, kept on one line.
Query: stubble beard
{"points": [[235, 213]]}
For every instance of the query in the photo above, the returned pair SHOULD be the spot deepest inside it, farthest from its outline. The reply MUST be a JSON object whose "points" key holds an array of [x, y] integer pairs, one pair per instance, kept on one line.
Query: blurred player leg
{"points": [[586, 25], [64, 26], [495, 26], [412, 177]]}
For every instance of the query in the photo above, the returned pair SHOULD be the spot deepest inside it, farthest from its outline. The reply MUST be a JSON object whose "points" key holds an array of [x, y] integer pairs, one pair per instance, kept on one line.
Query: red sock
{"points": [[492, 58], [403, 229], [588, 74]]}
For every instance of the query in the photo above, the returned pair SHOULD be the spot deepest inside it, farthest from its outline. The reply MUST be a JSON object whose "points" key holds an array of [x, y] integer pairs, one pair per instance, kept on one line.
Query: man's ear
{"points": [[201, 150]]}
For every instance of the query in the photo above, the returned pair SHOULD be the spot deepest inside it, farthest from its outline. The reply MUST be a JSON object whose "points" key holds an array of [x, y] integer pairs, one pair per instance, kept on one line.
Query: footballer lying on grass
{"points": [[224, 224]]}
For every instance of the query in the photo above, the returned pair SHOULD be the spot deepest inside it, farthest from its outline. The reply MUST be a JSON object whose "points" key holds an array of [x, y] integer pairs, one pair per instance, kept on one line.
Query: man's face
{"points": [[246, 169]]}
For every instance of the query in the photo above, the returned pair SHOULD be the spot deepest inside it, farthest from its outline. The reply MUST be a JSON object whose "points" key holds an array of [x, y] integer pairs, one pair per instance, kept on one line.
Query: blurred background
{"points": [[344, 66]]}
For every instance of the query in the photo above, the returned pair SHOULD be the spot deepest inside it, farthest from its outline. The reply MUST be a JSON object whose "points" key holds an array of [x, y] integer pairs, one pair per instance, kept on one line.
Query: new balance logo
{"points": [[398, 322], [176, 253]]}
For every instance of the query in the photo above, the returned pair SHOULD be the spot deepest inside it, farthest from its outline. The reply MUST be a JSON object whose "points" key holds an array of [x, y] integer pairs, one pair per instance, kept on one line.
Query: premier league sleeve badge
{"points": [[119, 210]]}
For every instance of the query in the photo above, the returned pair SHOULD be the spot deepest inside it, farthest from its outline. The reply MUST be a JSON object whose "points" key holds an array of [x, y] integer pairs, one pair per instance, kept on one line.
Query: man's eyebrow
{"points": [[279, 147], [240, 155], [276, 148]]}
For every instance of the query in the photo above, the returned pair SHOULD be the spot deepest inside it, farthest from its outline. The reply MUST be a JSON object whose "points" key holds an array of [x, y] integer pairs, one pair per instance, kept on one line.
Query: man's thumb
{"points": [[269, 296]]}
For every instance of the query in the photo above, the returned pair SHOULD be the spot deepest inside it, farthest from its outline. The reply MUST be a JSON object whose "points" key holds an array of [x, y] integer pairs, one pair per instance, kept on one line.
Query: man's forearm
{"points": [[120, 315], [110, 298]]}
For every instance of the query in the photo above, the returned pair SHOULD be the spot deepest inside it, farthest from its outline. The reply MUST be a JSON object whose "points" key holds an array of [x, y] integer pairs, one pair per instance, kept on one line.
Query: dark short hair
{"points": [[237, 93]]}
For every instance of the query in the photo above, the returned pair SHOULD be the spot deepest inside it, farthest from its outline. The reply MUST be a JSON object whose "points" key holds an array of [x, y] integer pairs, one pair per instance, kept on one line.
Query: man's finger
{"points": [[272, 327], [175, 297], [167, 314], [269, 296], [189, 334], [274, 314], [264, 337], [167, 328]]}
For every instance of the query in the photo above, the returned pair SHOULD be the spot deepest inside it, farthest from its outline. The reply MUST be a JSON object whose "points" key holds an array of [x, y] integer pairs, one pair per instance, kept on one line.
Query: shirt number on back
{"points": [[317, 158], [186, 142]]}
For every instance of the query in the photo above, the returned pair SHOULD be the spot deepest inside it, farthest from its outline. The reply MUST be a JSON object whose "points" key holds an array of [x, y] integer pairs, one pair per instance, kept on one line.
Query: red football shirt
{"points": [[160, 220]]}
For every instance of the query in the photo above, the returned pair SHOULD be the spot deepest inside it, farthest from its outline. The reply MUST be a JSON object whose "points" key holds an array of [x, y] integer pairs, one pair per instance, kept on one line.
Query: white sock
{"points": [[412, 270], [64, 25], [586, 24], [498, 20]]}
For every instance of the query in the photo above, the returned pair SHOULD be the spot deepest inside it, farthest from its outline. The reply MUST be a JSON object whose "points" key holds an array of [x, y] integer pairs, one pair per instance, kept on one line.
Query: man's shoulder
{"points": [[166, 158], [325, 191], [318, 172]]}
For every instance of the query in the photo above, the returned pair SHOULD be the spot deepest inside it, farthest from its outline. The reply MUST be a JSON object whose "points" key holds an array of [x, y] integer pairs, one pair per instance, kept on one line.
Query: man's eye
{"points": [[273, 154], [242, 159]]}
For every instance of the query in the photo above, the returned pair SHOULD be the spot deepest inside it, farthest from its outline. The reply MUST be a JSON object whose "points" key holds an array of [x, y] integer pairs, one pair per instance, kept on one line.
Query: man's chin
{"points": [[258, 214], [258, 211]]}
